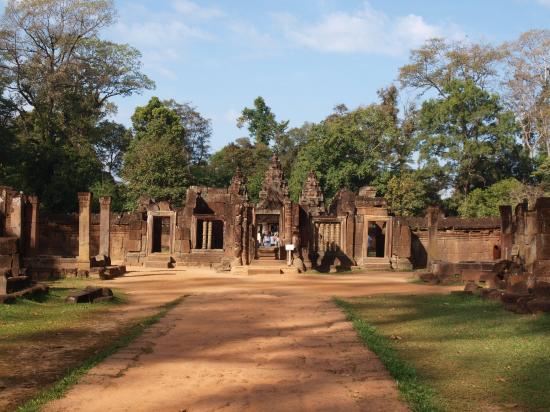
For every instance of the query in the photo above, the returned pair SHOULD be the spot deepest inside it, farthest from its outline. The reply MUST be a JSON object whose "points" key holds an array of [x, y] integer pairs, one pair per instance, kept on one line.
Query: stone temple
{"points": [[221, 228]]}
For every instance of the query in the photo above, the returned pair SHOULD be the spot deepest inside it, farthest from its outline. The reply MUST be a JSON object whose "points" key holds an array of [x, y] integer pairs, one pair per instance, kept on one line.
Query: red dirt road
{"points": [[257, 343]]}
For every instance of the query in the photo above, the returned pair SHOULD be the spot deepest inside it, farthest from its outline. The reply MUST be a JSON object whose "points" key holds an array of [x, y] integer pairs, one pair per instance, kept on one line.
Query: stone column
{"points": [[506, 236], [432, 215], [209, 235], [150, 229], [104, 226], [33, 234], [204, 233], [84, 221]]}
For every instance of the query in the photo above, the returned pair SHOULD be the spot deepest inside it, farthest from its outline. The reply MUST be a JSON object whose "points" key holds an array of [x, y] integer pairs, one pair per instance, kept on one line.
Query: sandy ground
{"points": [[237, 343]]}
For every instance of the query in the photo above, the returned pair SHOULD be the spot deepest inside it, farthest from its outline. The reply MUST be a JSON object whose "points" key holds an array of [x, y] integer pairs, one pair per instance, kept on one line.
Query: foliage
{"points": [[406, 194], [261, 122], [58, 77], [439, 62], [469, 138], [353, 149], [198, 131], [253, 160], [485, 202], [155, 163], [108, 187], [527, 88], [111, 143]]}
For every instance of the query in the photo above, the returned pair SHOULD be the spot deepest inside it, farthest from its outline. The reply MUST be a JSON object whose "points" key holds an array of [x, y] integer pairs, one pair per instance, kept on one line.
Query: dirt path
{"points": [[244, 343]]}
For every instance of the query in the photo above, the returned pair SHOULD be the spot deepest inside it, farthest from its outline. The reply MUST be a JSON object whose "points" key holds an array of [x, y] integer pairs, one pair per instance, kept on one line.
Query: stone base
{"points": [[401, 264]]}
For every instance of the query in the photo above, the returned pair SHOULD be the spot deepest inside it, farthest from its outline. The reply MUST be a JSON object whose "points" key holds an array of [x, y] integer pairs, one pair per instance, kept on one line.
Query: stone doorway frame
{"points": [[387, 239], [150, 222]]}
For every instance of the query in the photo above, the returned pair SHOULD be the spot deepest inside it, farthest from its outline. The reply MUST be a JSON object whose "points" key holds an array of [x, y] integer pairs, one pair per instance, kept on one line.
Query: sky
{"points": [[303, 57]]}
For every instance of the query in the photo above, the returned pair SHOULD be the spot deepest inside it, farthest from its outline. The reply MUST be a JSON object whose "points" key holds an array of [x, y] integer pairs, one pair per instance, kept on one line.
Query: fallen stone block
{"points": [[490, 294], [3, 284], [83, 273], [512, 298], [7, 299], [88, 295], [17, 283], [104, 299], [32, 292], [538, 305], [427, 277], [518, 287], [523, 303], [111, 272], [471, 287]]}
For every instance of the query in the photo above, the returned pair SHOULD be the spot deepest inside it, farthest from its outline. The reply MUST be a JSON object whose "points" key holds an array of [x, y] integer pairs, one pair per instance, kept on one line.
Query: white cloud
{"points": [[190, 9], [365, 31]]}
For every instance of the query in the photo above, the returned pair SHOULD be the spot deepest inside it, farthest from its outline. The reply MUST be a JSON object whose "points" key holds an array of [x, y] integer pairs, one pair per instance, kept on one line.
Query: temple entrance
{"points": [[376, 240], [268, 237], [161, 234]]}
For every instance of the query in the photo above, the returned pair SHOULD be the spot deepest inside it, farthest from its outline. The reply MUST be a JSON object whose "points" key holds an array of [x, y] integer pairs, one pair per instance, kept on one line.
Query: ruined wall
{"points": [[458, 239], [58, 234]]}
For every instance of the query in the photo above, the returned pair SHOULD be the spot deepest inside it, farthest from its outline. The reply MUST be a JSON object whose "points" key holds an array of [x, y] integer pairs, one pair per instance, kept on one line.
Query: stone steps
{"points": [[158, 261]]}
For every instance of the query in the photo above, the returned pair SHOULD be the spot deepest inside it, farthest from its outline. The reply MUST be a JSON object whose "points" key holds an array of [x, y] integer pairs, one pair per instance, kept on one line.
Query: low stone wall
{"points": [[456, 240]]}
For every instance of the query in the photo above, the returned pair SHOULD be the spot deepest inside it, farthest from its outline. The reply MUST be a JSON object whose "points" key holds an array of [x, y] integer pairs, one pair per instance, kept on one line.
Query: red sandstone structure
{"points": [[221, 228]]}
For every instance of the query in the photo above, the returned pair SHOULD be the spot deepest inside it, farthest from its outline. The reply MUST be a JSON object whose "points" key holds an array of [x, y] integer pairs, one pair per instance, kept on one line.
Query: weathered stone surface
{"points": [[518, 287], [511, 297], [88, 295], [427, 277], [298, 263], [471, 287], [539, 305], [541, 290], [8, 245], [17, 283], [3, 284], [491, 294]]}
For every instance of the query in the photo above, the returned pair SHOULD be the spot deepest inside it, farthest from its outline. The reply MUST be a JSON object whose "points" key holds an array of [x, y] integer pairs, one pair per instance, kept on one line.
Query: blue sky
{"points": [[304, 57]]}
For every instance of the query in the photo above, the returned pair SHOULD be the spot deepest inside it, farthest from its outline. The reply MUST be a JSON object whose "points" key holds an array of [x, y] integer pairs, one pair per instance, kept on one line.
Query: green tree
{"points": [[111, 143], [198, 131], [467, 136], [61, 77], [261, 123], [355, 148], [485, 202], [406, 195], [252, 159], [155, 163], [439, 62]]}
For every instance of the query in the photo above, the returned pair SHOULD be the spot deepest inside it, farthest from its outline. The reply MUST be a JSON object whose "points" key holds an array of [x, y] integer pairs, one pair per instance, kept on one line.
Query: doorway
{"points": [[161, 234], [376, 240]]}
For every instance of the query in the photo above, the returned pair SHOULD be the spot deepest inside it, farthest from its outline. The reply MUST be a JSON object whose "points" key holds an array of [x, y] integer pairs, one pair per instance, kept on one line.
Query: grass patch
{"points": [[27, 317], [461, 352], [418, 395], [74, 374]]}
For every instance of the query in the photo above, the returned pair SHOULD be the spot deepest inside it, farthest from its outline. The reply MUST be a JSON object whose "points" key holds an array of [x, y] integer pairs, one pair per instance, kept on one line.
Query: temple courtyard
{"points": [[265, 342]]}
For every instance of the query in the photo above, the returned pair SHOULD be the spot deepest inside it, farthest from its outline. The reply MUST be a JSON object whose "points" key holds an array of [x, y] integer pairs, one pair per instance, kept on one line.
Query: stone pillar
{"points": [[432, 215], [15, 226], [204, 233], [209, 235], [506, 231], [3, 200], [33, 233], [104, 226], [150, 228], [84, 221]]}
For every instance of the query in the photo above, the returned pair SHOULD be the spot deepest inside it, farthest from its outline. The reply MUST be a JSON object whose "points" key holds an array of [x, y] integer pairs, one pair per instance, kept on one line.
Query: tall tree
{"points": [[61, 76], [252, 159], [155, 163], [354, 148], [198, 131], [527, 85], [111, 143], [261, 122], [469, 137], [439, 62]]}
